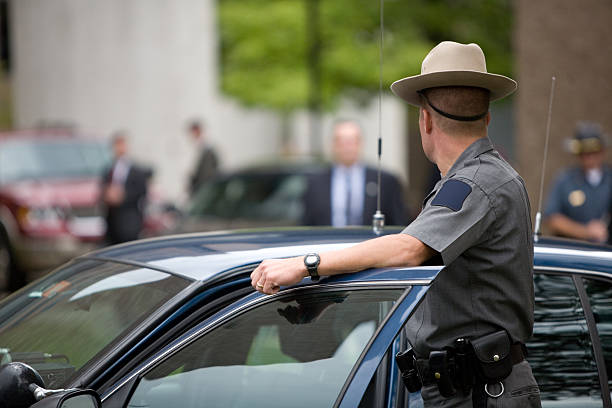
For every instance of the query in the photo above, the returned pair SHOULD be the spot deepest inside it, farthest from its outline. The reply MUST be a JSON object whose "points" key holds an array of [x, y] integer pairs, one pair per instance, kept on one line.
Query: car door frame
{"points": [[204, 299], [365, 366]]}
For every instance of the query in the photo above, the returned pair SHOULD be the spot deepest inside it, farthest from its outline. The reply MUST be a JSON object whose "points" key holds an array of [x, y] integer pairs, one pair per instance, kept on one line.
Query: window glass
{"points": [[295, 352], [47, 159], [560, 351], [600, 297], [58, 324], [252, 196]]}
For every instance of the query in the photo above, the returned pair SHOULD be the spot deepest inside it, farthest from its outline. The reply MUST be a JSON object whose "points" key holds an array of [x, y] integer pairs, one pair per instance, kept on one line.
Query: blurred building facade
{"points": [[571, 41], [147, 68]]}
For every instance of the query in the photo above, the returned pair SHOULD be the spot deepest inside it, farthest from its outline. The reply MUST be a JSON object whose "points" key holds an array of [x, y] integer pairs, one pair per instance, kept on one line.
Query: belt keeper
{"points": [[438, 364]]}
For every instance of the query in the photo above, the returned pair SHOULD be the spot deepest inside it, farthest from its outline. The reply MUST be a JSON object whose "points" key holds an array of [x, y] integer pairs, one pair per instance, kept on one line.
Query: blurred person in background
{"points": [[207, 165], [124, 191], [346, 193], [578, 205]]}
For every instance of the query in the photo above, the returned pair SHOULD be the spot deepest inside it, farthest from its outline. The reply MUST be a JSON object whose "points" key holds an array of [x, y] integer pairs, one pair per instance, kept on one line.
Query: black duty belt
{"points": [[517, 354]]}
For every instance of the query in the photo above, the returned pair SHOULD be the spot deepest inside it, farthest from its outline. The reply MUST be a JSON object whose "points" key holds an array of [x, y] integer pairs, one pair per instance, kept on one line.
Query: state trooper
{"points": [[578, 204], [477, 218]]}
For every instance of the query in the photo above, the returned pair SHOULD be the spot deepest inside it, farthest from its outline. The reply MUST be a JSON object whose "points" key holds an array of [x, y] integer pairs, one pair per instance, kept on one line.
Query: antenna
{"points": [[538, 220], [378, 220]]}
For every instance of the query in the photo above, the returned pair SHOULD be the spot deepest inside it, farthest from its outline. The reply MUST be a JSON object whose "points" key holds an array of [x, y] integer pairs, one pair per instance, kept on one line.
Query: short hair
{"points": [[459, 101], [119, 136], [342, 121], [196, 124]]}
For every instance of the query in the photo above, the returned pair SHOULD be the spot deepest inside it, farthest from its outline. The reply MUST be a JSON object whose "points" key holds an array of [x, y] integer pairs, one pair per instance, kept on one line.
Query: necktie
{"points": [[349, 213]]}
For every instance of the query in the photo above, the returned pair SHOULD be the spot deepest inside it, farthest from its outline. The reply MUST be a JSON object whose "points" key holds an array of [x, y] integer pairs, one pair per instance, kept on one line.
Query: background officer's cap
{"points": [[588, 138]]}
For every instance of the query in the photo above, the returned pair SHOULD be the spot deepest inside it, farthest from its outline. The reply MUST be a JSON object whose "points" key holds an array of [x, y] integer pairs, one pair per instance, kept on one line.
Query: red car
{"points": [[49, 200]]}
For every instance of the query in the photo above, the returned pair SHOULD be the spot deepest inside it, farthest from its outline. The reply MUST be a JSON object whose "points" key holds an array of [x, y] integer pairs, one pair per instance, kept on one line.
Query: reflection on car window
{"points": [[560, 350], [252, 196], [600, 297], [60, 323], [302, 347]]}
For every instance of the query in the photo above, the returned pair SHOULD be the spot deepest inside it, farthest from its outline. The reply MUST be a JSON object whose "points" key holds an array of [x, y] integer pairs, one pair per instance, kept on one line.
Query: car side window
{"points": [[600, 298], [297, 348], [560, 351]]}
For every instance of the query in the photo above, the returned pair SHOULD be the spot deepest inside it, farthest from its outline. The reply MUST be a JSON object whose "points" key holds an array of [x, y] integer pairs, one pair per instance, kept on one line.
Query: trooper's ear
{"points": [[427, 120]]}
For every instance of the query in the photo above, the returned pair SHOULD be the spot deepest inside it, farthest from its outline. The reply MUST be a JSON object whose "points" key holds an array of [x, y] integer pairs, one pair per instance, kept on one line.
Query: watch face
{"points": [[311, 259]]}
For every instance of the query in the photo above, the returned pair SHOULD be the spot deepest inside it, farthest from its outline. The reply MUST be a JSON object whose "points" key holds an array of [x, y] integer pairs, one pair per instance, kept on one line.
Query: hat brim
{"points": [[407, 88]]}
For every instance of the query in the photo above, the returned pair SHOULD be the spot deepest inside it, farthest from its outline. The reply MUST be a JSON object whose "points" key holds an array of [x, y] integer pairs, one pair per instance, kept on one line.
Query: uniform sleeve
{"points": [[454, 220], [554, 201]]}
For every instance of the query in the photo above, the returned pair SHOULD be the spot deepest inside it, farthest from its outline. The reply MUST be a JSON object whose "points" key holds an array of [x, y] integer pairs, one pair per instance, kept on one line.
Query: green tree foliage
{"points": [[265, 44]]}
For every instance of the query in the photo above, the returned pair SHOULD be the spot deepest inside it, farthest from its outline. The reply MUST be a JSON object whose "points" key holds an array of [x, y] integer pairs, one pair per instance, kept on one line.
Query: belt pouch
{"points": [[439, 367], [493, 358], [406, 362]]}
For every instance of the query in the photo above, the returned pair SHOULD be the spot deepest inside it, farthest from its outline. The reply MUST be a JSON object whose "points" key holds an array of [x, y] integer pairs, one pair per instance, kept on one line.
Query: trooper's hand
{"points": [[597, 231], [271, 274]]}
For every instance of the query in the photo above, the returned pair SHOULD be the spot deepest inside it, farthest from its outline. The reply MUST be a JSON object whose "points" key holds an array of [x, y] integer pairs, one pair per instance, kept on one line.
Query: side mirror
{"points": [[21, 386]]}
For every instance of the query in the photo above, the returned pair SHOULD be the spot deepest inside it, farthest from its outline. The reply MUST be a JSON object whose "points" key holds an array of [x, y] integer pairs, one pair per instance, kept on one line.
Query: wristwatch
{"points": [[312, 261]]}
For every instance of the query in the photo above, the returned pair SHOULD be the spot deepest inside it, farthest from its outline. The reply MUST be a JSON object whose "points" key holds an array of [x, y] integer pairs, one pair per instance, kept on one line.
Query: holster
{"points": [[406, 362], [493, 359]]}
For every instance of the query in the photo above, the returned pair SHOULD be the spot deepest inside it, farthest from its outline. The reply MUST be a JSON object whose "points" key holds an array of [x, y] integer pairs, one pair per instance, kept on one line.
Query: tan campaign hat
{"points": [[453, 64]]}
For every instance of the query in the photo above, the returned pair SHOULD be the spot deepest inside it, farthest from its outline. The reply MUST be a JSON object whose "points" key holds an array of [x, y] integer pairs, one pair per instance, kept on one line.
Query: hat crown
{"points": [[588, 130], [453, 64], [452, 56]]}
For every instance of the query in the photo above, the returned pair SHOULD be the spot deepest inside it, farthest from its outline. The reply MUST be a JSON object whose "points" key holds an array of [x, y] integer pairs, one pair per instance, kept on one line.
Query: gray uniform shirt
{"points": [[478, 218]]}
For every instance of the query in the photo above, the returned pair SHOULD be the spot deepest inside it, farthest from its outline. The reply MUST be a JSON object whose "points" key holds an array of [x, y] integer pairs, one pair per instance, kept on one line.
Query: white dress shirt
{"points": [[347, 190], [120, 171]]}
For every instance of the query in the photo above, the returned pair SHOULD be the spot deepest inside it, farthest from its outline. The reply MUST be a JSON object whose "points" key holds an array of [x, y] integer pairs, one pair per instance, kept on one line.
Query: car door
{"points": [[318, 345], [564, 351], [570, 351]]}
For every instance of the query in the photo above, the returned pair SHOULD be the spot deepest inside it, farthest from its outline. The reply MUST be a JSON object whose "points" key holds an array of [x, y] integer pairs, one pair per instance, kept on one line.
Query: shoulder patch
{"points": [[452, 195]]}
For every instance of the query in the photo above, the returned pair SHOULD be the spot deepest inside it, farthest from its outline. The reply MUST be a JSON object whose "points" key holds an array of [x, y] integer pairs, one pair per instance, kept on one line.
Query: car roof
{"points": [[202, 256], [578, 256], [46, 133], [276, 168]]}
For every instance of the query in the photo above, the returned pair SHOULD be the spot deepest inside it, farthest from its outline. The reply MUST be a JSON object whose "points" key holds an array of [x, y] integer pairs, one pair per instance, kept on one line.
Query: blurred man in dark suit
{"points": [[207, 164], [124, 191], [346, 194]]}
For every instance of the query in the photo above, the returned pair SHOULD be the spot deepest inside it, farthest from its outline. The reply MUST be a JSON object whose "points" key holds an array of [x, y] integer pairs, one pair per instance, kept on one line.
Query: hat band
{"points": [[450, 115]]}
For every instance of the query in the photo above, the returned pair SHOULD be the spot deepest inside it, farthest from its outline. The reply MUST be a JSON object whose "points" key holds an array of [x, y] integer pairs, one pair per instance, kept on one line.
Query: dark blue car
{"points": [[174, 322]]}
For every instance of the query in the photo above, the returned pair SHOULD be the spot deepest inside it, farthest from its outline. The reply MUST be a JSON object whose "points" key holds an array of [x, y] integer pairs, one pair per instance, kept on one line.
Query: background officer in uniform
{"points": [[578, 205], [477, 218]]}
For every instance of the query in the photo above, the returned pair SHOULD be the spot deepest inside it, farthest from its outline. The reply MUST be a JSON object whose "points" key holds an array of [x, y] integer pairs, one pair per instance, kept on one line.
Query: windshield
{"points": [[49, 159], [60, 323], [252, 196]]}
